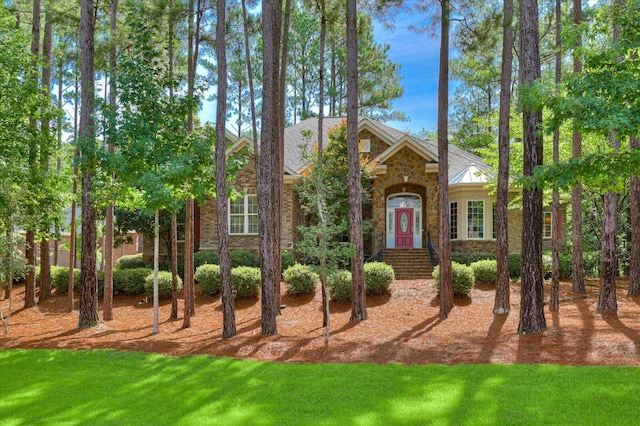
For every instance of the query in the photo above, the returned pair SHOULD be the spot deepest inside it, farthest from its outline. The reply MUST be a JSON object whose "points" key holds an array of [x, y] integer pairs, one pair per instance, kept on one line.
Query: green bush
{"points": [[339, 283], [132, 261], [164, 284], [60, 278], [300, 279], [19, 269], [208, 276], [130, 281], [287, 260], [462, 278], [485, 271], [205, 258], [242, 258], [566, 265], [591, 264], [378, 277], [474, 257], [245, 282], [515, 266], [461, 258]]}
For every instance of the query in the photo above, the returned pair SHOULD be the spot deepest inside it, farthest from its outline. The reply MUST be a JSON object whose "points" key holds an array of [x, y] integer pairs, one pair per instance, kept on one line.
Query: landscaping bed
{"points": [[403, 327]]}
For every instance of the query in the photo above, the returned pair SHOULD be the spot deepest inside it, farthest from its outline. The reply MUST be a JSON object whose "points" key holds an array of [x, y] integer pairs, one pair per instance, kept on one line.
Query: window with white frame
{"points": [[243, 215], [546, 225], [453, 216], [475, 219]]}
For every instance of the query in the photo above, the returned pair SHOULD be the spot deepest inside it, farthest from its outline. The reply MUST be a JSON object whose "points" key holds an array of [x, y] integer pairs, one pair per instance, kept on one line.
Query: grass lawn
{"points": [[108, 387]]}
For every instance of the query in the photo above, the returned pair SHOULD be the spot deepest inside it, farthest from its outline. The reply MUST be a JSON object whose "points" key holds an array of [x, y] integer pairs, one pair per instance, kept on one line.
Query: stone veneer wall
{"points": [[406, 163], [246, 183], [515, 237]]}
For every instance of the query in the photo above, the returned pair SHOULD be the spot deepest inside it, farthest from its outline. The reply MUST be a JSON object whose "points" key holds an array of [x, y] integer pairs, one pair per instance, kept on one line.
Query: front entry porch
{"points": [[404, 222]]}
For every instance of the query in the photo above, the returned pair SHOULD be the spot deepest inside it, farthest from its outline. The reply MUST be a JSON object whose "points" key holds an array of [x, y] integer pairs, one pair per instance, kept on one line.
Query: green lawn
{"points": [[107, 387]]}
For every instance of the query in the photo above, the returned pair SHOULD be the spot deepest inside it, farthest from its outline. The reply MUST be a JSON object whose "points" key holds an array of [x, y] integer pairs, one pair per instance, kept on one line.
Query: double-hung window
{"points": [[453, 214], [475, 219], [243, 215]]}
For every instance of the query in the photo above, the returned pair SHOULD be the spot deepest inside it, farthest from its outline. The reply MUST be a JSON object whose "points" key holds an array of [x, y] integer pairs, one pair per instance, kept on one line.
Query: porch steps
{"points": [[409, 264]]}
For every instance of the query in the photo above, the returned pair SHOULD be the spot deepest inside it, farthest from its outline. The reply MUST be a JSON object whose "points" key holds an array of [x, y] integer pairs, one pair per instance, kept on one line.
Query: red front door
{"points": [[404, 228]]}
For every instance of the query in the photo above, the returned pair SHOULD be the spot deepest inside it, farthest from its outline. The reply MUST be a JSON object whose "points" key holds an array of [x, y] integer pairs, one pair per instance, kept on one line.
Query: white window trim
{"points": [[246, 214], [484, 219], [544, 214], [457, 220]]}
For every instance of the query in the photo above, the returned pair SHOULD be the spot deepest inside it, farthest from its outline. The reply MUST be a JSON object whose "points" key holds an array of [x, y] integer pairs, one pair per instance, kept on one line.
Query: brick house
{"points": [[404, 207]]}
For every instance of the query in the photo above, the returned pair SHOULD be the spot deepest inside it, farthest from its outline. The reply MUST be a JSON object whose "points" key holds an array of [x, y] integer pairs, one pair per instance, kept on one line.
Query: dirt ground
{"points": [[403, 327]]}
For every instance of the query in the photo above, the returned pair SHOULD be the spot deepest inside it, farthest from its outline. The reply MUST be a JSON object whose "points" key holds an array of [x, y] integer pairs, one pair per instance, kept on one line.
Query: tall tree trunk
{"points": [[532, 293], [73, 226], [252, 96], [358, 296], [607, 301], [228, 310], [173, 250], [554, 302], [56, 243], [270, 136], [634, 196], [444, 237], [107, 313], [88, 280], [30, 285], [502, 303], [278, 164], [189, 302], [326, 320], [156, 257], [577, 262], [47, 54]]}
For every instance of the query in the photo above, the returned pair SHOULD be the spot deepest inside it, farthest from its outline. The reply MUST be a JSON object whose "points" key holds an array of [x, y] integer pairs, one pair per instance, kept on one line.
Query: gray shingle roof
{"points": [[296, 141]]}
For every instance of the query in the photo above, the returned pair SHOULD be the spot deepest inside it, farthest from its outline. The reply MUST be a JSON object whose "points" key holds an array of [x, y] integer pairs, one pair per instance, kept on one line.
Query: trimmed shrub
{"points": [[474, 257], [245, 282], [461, 258], [208, 276], [60, 278], [132, 261], [300, 279], [242, 258], [566, 265], [164, 284], [378, 277], [287, 260], [205, 258], [515, 266], [462, 277], [485, 271], [130, 281], [339, 283]]}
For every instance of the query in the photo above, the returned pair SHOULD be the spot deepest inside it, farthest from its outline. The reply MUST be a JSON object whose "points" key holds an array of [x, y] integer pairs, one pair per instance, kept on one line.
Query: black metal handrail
{"points": [[377, 256], [433, 252]]}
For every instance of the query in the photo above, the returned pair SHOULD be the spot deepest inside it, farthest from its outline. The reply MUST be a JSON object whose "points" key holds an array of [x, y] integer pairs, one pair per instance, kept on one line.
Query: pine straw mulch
{"points": [[403, 327]]}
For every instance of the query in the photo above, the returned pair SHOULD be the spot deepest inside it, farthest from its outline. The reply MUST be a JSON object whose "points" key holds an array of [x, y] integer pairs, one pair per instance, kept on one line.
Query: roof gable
{"points": [[407, 142]]}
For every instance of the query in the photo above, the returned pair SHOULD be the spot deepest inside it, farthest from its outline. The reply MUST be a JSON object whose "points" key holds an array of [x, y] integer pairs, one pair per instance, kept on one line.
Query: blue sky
{"points": [[417, 53]]}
